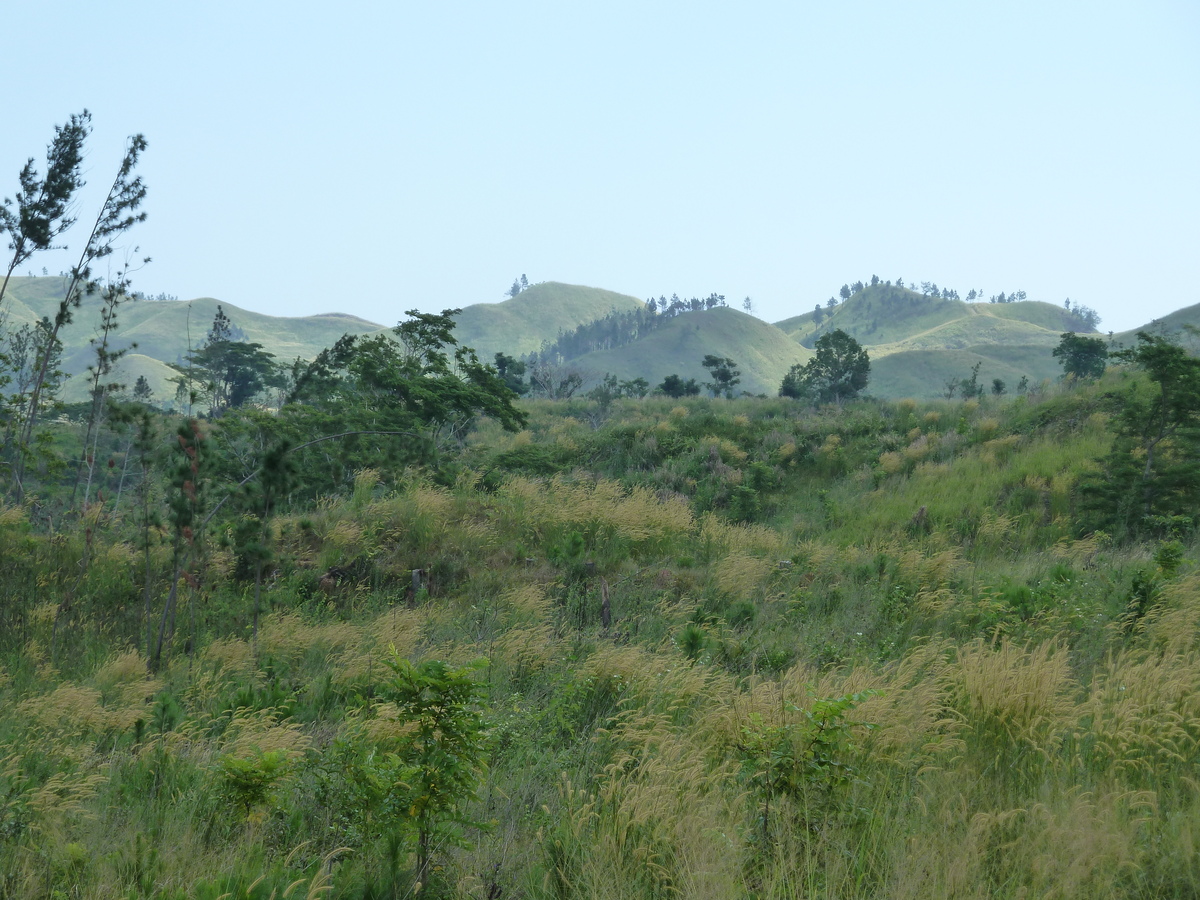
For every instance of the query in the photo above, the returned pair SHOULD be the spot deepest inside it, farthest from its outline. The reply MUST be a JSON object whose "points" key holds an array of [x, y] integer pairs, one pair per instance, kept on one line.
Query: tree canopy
{"points": [[838, 372], [1082, 357]]}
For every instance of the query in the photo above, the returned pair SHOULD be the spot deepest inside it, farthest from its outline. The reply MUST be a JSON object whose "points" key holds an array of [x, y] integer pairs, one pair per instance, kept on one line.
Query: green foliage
{"points": [[1152, 473], [674, 386], [838, 372], [231, 373], [44, 203], [803, 759], [653, 714], [422, 380], [441, 757], [250, 781], [724, 373], [1081, 357]]}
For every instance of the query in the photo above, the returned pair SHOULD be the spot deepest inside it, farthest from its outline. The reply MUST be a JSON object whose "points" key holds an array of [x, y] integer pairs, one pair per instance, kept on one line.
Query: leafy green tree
{"points": [[804, 760], [441, 757], [419, 381], [839, 371], [724, 373], [674, 386], [970, 386], [512, 371], [998, 387], [818, 314], [845, 293], [1152, 473], [44, 204], [234, 373], [1082, 357]]}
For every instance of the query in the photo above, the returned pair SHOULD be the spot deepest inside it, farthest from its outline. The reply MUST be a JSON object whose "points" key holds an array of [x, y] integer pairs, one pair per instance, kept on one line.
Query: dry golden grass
{"points": [[1143, 714], [1022, 693], [526, 649], [603, 509], [253, 731]]}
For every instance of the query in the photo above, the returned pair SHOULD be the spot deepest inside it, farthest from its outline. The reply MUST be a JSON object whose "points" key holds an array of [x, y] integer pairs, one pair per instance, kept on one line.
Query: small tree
{"points": [[142, 392], [511, 371], [1152, 472], [1082, 357], [117, 215], [443, 752], [970, 386], [674, 386], [724, 373], [838, 372]]}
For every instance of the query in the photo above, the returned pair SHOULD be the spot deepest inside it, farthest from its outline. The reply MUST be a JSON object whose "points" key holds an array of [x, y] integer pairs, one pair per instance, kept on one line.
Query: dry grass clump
{"points": [[526, 649], [231, 656], [253, 732], [287, 637], [600, 511], [359, 659], [74, 710], [740, 575], [718, 538], [1022, 694], [1143, 715]]}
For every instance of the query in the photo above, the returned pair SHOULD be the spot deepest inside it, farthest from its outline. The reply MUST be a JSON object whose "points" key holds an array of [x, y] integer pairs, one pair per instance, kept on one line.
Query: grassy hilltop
{"points": [[518, 326], [763, 353]]}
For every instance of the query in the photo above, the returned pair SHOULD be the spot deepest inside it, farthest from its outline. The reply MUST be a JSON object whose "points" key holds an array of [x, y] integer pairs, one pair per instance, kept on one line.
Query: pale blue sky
{"points": [[370, 157]]}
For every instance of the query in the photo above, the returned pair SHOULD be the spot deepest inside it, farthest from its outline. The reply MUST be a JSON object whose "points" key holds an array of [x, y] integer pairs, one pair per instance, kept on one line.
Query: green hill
{"points": [[164, 331], [917, 342], [762, 351], [922, 374], [898, 319], [519, 326], [1180, 324]]}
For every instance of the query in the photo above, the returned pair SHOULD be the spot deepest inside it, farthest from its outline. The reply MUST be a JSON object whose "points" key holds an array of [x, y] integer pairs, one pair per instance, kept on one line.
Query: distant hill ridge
{"points": [[917, 342]]}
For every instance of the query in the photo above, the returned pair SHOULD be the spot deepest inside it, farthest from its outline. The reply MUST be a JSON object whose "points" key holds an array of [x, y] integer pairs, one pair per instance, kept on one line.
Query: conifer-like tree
{"points": [[117, 215], [43, 205]]}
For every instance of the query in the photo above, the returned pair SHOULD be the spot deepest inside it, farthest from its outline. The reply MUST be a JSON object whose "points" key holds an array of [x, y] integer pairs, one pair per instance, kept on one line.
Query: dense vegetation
{"points": [[624, 648]]}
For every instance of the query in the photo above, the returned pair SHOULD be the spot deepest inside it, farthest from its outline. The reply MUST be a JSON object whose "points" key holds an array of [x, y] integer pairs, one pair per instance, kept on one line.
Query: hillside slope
{"points": [[762, 351], [520, 325], [165, 330], [895, 319]]}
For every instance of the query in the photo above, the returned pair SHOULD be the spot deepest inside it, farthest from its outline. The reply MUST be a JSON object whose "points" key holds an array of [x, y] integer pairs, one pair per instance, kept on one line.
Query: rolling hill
{"points": [[164, 330], [917, 343], [762, 351], [520, 325]]}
